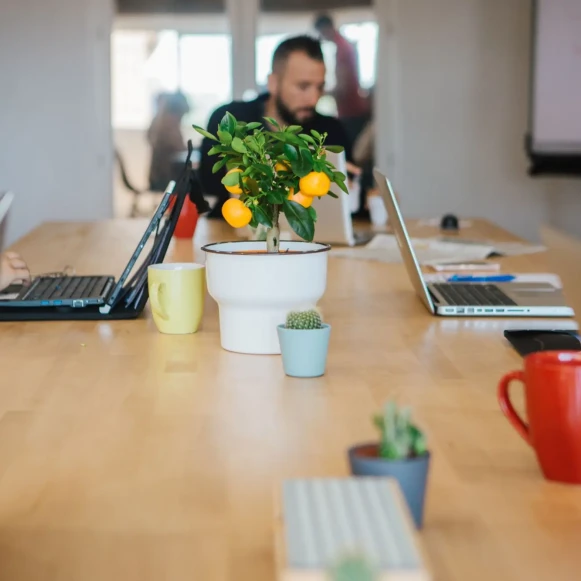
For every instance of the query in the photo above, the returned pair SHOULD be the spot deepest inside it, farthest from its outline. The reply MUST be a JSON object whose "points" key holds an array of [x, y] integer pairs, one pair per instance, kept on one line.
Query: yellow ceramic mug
{"points": [[177, 292]]}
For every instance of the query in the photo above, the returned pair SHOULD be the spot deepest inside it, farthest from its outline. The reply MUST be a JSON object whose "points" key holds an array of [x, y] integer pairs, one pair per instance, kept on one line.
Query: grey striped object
{"points": [[327, 518]]}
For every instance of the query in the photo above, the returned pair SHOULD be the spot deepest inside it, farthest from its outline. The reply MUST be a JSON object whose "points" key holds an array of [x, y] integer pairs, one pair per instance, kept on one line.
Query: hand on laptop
{"points": [[13, 269]]}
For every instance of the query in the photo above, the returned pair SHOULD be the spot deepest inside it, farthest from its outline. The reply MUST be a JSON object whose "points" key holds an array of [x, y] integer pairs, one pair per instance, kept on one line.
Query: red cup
{"points": [[552, 383], [187, 221]]}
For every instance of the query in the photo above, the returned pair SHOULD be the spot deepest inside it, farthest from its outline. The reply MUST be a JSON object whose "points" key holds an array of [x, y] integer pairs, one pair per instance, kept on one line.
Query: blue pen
{"points": [[493, 278]]}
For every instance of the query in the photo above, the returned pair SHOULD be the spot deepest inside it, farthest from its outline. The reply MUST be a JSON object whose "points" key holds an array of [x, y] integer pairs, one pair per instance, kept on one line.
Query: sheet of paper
{"points": [[502, 248], [384, 248], [516, 248]]}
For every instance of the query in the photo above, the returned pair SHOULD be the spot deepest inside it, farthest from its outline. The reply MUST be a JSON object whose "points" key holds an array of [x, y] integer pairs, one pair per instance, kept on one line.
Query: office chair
{"points": [[137, 193]]}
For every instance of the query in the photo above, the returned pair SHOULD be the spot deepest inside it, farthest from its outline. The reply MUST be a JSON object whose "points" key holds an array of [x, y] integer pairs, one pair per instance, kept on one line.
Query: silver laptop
{"points": [[334, 222], [6, 199], [476, 299]]}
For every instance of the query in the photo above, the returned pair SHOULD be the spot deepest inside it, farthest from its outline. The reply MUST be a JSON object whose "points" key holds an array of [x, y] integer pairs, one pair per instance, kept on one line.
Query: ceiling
{"points": [[209, 6]]}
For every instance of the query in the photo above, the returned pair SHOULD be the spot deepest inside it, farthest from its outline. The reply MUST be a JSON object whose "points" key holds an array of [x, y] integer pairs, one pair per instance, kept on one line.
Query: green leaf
{"points": [[319, 165], [252, 144], [316, 135], [312, 213], [205, 133], [307, 156], [238, 145], [273, 122], [253, 125], [329, 172], [276, 197], [232, 179], [333, 195], [245, 160], [253, 222], [291, 152], [262, 216], [335, 148], [308, 139], [265, 169], [294, 129], [288, 138], [216, 149], [299, 220], [232, 164], [219, 165], [252, 185], [228, 123], [300, 167], [339, 179], [225, 137]]}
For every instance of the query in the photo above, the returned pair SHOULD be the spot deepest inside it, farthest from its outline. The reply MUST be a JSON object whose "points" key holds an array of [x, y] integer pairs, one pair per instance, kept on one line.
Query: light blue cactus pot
{"points": [[304, 351]]}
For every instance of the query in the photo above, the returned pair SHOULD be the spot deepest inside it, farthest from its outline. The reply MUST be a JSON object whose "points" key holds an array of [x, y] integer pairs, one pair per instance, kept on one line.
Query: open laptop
{"points": [[6, 199], [476, 299], [61, 297], [334, 222]]}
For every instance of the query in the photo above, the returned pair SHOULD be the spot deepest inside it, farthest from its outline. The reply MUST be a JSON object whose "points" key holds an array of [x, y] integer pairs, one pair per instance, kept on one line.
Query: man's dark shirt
{"points": [[250, 111]]}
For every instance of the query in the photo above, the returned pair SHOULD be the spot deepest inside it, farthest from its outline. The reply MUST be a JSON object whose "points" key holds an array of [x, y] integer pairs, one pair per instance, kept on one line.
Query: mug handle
{"points": [[507, 407], [158, 309]]}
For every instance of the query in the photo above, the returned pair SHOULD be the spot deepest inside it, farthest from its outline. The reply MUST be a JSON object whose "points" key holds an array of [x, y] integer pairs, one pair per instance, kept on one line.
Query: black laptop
{"points": [[61, 297]]}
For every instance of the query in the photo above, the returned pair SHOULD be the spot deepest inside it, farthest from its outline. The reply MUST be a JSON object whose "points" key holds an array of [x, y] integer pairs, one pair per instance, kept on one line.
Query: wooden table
{"points": [[127, 455]]}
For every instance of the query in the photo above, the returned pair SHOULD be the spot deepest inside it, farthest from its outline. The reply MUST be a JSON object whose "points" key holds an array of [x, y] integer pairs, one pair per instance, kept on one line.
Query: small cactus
{"points": [[352, 568], [400, 438], [305, 320]]}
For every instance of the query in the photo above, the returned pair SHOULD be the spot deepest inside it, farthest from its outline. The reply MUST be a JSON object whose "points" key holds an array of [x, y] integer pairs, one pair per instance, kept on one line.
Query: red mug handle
{"points": [[507, 407]]}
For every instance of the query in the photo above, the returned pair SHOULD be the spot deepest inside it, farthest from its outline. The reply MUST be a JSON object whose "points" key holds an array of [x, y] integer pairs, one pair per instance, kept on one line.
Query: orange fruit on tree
{"points": [[236, 213], [235, 190], [300, 198], [280, 167], [315, 184]]}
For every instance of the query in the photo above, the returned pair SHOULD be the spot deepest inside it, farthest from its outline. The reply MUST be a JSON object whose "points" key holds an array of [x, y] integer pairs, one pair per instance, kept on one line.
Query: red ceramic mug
{"points": [[552, 382]]}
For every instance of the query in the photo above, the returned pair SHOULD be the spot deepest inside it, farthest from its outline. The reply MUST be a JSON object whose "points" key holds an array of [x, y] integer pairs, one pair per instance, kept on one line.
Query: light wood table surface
{"points": [[127, 455]]}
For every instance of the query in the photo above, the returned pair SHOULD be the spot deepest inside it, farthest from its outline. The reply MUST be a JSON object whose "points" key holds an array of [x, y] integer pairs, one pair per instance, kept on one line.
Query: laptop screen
{"points": [[403, 240], [152, 230]]}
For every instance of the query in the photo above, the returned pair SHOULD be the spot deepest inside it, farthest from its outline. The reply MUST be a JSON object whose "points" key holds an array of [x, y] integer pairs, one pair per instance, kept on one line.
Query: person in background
{"points": [[295, 85], [166, 139], [12, 269], [352, 105], [364, 157]]}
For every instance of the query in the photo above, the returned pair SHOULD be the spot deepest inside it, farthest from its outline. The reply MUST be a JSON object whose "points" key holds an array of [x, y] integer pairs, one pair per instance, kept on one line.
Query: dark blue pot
{"points": [[304, 352], [411, 474]]}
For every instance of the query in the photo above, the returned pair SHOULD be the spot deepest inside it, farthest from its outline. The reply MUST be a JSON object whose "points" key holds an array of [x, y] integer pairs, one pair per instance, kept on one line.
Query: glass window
{"points": [[205, 74], [364, 36], [146, 63]]}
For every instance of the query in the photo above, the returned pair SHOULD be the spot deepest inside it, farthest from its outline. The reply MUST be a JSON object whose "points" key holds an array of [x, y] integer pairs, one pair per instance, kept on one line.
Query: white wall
{"points": [[454, 84], [55, 149]]}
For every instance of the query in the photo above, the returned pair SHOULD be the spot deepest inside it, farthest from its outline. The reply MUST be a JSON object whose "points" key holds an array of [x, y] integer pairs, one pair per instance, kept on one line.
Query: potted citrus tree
{"points": [[401, 453], [269, 173]]}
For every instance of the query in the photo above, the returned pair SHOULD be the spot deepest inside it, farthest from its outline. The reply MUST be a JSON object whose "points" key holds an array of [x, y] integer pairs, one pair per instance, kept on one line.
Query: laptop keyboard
{"points": [[473, 295], [66, 287]]}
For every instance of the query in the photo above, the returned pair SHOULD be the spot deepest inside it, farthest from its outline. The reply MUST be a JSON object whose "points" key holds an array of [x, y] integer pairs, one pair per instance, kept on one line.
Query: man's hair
{"points": [[305, 44], [323, 21]]}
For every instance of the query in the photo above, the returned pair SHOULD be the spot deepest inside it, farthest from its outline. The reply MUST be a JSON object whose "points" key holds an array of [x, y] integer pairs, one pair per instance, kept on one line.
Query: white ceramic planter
{"points": [[255, 291]]}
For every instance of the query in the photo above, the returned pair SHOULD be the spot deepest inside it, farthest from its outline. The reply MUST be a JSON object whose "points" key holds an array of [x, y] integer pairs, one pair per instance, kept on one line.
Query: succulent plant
{"points": [[353, 568], [400, 438], [306, 320]]}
